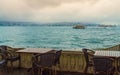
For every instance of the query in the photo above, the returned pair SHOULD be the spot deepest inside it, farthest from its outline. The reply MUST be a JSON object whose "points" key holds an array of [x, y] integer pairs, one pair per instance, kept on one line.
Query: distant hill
{"points": [[7, 23]]}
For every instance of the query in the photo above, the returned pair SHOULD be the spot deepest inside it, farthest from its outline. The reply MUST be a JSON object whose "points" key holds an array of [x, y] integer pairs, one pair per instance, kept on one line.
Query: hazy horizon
{"points": [[86, 11]]}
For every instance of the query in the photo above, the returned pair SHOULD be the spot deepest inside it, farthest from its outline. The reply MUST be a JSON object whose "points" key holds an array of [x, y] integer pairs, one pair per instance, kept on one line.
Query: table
{"points": [[29, 52], [107, 53], [35, 50], [113, 54]]}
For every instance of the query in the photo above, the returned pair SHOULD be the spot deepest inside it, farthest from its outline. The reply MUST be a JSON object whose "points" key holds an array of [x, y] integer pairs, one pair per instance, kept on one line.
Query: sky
{"points": [[86, 11]]}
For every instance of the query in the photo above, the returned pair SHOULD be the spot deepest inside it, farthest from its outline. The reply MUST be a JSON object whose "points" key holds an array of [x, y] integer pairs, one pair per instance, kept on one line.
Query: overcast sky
{"points": [[94, 11]]}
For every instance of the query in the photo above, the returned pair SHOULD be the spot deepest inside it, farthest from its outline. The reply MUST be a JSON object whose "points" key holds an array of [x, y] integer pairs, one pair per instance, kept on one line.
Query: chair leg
{"points": [[50, 72], [94, 73], [11, 65], [55, 71], [33, 71], [60, 69], [19, 63], [41, 70], [85, 70]]}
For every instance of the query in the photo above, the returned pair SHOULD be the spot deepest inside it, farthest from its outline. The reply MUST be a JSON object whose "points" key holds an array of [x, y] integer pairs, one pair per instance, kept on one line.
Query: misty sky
{"points": [[90, 11]]}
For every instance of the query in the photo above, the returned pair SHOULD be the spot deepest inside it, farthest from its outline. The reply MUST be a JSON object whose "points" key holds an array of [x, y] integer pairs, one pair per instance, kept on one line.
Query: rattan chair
{"points": [[57, 60], [3, 61], [57, 57], [118, 65], [88, 54], [10, 53], [103, 65], [42, 62]]}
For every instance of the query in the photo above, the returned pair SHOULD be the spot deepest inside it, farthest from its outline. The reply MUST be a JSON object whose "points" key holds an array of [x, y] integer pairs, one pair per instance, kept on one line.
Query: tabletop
{"points": [[107, 53], [34, 50]]}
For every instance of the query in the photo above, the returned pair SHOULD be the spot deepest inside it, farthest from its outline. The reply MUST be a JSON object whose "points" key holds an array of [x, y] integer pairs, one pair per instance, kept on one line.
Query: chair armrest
{"points": [[91, 51], [9, 54], [3, 56], [111, 59], [90, 54], [35, 57]]}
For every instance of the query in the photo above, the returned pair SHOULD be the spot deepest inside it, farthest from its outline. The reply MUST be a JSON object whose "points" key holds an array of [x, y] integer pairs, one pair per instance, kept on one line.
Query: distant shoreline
{"points": [[5, 23]]}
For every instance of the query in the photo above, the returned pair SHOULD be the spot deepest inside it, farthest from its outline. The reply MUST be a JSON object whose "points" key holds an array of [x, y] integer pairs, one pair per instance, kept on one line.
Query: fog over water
{"points": [[93, 11]]}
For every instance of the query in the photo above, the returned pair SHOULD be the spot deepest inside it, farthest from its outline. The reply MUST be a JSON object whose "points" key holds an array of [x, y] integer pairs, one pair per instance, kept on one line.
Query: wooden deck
{"points": [[24, 72]]}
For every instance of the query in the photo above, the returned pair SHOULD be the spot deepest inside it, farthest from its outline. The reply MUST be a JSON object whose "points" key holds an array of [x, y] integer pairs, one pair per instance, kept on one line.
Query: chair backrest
{"points": [[57, 57], [87, 54], [3, 49], [102, 64], [44, 60], [118, 64], [3, 60]]}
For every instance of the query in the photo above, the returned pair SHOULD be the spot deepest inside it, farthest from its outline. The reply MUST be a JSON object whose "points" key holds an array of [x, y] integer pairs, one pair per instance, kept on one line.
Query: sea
{"points": [[59, 37]]}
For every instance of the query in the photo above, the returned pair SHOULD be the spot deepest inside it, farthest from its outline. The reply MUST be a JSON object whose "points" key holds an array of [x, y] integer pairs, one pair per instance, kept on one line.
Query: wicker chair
{"points": [[3, 61], [103, 65], [57, 57], [118, 65], [10, 53], [56, 54], [57, 60], [88, 54], [43, 61]]}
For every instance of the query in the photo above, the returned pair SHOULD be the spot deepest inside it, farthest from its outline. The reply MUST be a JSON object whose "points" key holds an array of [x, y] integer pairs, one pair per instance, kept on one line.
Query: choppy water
{"points": [[59, 37]]}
